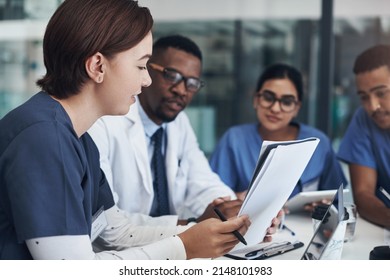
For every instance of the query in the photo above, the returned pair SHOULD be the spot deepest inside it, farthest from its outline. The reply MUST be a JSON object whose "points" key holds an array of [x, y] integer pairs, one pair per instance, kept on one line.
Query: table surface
{"points": [[367, 236]]}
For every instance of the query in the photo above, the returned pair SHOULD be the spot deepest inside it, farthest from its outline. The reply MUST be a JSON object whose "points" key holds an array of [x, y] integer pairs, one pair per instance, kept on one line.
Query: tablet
{"points": [[297, 202]]}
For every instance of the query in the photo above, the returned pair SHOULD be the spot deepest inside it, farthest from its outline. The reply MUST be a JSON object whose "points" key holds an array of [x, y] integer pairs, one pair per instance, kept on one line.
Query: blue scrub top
{"points": [[237, 152], [50, 180], [366, 144]]}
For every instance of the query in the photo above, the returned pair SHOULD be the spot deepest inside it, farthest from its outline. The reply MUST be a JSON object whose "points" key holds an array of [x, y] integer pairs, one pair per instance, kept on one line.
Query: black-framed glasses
{"points": [[173, 76], [267, 99]]}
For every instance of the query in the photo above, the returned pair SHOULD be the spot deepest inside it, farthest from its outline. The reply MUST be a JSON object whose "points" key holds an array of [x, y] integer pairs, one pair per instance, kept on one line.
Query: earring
{"points": [[99, 79]]}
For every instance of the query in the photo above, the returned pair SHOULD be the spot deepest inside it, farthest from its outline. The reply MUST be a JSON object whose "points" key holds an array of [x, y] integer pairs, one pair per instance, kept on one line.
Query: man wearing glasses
{"points": [[365, 145], [187, 190]]}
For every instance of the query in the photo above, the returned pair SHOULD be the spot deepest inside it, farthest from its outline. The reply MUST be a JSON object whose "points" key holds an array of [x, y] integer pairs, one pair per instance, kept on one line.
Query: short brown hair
{"points": [[79, 29], [372, 58]]}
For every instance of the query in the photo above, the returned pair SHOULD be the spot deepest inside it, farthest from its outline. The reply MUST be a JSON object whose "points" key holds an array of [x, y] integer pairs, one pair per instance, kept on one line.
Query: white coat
{"points": [[124, 159]]}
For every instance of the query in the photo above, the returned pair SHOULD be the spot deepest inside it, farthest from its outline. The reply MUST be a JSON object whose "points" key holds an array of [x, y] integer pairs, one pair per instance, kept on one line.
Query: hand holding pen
{"points": [[212, 238], [235, 232]]}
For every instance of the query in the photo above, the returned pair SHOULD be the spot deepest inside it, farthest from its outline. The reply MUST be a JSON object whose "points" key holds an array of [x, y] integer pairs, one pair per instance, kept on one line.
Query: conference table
{"points": [[367, 236]]}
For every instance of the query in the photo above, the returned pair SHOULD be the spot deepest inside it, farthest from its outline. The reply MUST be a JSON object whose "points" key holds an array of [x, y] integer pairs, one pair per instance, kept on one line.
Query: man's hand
{"points": [[228, 207]]}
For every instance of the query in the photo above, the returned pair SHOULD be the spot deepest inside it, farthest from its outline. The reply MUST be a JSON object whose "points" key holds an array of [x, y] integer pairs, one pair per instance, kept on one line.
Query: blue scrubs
{"points": [[50, 180], [237, 153], [366, 144]]}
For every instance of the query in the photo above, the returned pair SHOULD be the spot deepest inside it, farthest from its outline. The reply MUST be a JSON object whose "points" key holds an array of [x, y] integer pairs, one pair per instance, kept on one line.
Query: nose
{"points": [[180, 88], [374, 104], [147, 80], [276, 107]]}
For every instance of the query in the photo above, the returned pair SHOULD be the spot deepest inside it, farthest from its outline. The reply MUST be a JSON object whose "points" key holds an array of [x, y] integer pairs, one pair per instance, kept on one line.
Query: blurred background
{"points": [[238, 38]]}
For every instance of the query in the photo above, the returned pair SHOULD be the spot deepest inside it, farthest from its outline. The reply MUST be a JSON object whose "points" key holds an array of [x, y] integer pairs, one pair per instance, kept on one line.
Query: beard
{"points": [[381, 118], [169, 109], [165, 117]]}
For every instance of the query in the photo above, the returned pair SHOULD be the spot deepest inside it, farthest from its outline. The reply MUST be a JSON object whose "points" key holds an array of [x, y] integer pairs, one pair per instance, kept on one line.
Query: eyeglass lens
{"points": [[192, 84], [268, 99]]}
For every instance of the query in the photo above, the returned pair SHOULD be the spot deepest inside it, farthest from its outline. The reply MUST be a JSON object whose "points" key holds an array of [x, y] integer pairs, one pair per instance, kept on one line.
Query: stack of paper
{"points": [[278, 170]]}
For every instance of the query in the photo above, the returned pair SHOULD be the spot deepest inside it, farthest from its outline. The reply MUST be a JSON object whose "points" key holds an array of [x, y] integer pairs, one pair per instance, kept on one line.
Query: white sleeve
{"points": [[121, 233], [141, 219], [203, 185], [120, 240], [78, 247]]}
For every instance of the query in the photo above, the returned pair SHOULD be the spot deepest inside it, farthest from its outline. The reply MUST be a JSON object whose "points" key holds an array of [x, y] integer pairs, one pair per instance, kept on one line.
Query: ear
{"points": [[95, 67]]}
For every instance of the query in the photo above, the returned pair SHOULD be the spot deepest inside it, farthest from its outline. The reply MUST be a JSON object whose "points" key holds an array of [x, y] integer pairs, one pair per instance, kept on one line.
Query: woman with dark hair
{"points": [[277, 102], [55, 202]]}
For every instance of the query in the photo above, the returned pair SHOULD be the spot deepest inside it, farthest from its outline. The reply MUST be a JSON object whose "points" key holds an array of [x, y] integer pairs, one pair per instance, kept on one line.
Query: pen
{"points": [[384, 192], [267, 249], [235, 232], [384, 195], [272, 251], [277, 252]]}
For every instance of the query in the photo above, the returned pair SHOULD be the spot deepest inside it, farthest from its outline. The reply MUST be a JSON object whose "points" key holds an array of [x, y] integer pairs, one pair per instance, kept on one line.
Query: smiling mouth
{"points": [[272, 118], [380, 117]]}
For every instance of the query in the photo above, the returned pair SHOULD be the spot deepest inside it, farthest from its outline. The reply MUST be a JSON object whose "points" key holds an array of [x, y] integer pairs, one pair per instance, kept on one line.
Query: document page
{"points": [[274, 179]]}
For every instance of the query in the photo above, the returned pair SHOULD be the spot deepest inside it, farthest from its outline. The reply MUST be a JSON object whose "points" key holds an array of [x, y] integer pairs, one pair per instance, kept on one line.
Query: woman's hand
{"points": [[213, 238]]}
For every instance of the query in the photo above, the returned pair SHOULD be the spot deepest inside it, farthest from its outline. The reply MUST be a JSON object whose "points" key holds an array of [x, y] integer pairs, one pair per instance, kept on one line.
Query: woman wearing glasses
{"points": [[277, 101]]}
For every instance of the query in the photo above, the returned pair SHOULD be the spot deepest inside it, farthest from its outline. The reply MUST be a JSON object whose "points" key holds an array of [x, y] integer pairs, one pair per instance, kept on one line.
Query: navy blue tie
{"points": [[160, 184]]}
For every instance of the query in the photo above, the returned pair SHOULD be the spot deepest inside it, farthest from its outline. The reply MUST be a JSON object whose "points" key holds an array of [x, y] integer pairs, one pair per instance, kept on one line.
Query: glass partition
{"points": [[235, 50], [235, 53]]}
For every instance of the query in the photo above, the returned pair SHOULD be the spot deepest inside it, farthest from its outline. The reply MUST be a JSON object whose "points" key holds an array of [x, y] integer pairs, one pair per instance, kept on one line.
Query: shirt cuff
{"points": [[171, 248]]}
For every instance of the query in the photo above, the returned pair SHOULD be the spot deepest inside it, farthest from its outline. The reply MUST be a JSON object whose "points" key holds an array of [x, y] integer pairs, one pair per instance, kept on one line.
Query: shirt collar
{"points": [[149, 126]]}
